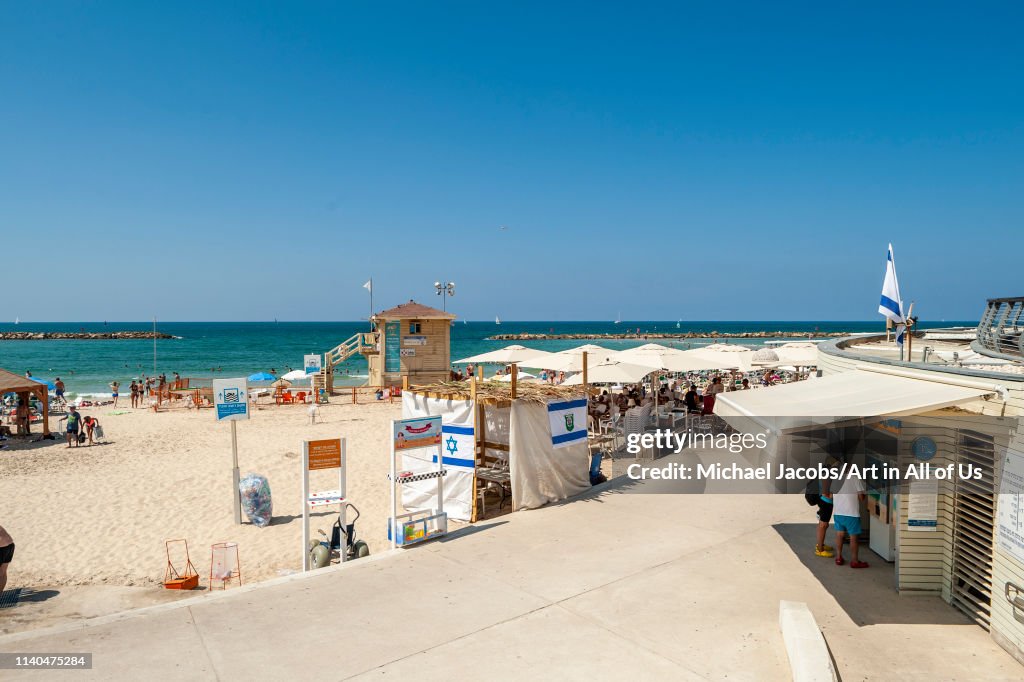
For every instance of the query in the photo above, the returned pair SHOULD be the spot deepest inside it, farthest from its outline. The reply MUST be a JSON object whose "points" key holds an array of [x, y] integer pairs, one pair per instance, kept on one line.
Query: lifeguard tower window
{"points": [[414, 327]]}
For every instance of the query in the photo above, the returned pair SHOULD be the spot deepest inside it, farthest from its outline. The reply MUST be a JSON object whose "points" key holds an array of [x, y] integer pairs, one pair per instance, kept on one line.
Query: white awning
{"points": [[856, 393]]}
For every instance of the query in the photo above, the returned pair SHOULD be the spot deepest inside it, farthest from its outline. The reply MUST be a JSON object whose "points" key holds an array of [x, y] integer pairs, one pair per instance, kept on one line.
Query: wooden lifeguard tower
{"points": [[412, 343]]}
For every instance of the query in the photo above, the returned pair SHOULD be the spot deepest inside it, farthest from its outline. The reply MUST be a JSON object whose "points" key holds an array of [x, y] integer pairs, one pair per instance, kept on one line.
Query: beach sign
{"points": [[312, 363], [420, 432], [231, 399], [323, 454]]}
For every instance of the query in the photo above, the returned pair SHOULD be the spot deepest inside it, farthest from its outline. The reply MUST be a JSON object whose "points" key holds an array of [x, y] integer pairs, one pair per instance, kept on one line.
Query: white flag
{"points": [[369, 285], [891, 304]]}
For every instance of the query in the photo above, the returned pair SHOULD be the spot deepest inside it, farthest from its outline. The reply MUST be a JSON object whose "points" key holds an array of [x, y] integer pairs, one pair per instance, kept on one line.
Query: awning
{"points": [[857, 393]]}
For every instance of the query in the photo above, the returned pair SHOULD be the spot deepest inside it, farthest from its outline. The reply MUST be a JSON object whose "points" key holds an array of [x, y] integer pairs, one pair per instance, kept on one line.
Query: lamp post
{"points": [[444, 290]]}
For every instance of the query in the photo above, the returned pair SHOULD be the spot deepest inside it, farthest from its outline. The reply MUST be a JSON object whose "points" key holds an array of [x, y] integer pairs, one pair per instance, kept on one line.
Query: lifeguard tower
{"points": [[412, 342]]}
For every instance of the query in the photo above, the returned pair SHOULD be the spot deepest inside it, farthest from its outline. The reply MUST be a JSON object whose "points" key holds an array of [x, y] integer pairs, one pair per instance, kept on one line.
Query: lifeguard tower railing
{"points": [[363, 342], [1000, 333]]}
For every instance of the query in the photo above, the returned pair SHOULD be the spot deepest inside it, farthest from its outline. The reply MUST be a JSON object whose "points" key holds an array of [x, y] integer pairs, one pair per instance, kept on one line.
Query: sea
{"points": [[206, 350]]}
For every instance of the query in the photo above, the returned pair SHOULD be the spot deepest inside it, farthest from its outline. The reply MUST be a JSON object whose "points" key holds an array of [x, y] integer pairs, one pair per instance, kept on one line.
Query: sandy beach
{"points": [[100, 515]]}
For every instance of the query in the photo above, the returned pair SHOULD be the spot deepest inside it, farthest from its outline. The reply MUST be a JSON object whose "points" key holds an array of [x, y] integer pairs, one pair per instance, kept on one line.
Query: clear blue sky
{"points": [[246, 160]]}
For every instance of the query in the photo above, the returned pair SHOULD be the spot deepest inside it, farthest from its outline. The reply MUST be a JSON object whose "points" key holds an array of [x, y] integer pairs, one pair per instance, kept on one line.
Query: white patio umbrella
{"points": [[611, 372], [520, 355], [731, 355], [572, 360], [802, 354], [295, 375], [669, 359]]}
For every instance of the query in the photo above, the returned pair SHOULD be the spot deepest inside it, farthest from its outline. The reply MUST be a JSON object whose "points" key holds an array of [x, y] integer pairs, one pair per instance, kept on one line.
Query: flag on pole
{"points": [[369, 285], [891, 304]]}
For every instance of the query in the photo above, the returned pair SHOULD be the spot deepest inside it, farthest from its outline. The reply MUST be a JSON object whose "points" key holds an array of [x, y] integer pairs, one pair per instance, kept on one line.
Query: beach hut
{"points": [[503, 437], [23, 388]]}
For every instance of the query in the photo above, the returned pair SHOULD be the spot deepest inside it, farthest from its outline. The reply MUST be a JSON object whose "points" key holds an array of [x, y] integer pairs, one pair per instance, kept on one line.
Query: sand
{"points": [[100, 515]]}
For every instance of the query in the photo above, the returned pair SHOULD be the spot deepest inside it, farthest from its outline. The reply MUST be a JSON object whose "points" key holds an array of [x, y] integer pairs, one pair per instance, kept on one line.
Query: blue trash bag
{"points": [[256, 501]]}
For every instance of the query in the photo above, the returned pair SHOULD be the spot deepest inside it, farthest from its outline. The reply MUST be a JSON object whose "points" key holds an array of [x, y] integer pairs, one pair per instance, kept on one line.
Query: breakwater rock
{"points": [[104, 336], [669, 335]]}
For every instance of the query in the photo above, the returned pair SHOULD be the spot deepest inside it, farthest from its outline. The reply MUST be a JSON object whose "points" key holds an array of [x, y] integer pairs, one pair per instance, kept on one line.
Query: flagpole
{"points": [[370, 318]]}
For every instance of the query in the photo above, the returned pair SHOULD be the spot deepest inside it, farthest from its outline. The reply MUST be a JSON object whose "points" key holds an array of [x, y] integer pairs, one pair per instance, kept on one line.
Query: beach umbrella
{"points": [[282, 383], [295, 375], [611, 372], [802, 354], [514, 354], [261, 376], [668, 359], [571, 360], [731, 355], [49, 384]]}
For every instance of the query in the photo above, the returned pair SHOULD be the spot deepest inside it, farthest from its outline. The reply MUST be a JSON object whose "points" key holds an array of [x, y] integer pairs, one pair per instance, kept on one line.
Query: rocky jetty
{"points": [[668, 335], [88, 336]]}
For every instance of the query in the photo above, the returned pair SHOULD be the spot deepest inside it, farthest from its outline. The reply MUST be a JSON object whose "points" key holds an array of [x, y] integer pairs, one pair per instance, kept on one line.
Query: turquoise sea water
{"points": [[242, 348]]}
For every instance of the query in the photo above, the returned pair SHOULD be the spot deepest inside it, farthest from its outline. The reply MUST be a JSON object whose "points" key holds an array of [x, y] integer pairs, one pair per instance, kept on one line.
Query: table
{"points": [[501, 477]]}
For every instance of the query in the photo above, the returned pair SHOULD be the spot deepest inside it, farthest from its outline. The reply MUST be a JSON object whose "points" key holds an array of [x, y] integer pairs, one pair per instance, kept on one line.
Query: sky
{"points": [[557, 161]]}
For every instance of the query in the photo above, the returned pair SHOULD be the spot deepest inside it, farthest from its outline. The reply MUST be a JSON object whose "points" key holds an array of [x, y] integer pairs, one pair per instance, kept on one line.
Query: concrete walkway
{"points": [[615, 585]]}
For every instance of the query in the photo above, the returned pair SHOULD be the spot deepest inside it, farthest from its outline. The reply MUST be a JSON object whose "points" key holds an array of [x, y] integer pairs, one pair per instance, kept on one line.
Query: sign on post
{"points": [[318, 455], [312, 363], [231, 399]]}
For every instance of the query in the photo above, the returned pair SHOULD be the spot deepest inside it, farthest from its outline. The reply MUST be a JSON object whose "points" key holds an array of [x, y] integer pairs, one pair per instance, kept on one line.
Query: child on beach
{"points": [[73, 426], [846, 519]]}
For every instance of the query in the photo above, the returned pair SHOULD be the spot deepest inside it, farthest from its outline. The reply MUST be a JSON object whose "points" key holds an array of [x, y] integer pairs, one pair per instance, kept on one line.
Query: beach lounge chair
{"points": [[301, 397], [286, 398]]}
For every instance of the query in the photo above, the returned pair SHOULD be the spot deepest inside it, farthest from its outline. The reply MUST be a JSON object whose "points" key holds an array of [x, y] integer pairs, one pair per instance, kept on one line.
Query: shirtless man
{"points": [[6, 554]]}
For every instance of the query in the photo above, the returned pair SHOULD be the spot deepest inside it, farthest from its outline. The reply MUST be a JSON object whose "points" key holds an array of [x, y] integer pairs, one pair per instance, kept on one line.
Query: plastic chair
{"points": [[301, 397], [286, 399]]}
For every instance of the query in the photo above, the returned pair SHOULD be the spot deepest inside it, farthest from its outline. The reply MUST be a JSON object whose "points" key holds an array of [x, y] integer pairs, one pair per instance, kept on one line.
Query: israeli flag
{"points": [[457, 444], [891, 304], [568, 419]]}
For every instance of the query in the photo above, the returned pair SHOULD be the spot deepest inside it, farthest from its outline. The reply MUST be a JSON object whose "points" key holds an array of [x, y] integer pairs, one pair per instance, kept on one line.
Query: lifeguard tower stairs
{"points": [[364, 343]]}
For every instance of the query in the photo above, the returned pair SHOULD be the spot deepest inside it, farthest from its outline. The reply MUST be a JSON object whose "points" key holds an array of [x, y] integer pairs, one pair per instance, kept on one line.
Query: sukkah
{"points": [[497, 437]]}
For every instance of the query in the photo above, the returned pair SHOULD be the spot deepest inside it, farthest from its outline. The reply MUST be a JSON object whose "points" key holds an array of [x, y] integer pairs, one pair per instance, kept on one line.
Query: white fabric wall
{"points": [[540, 473], [458, 483]]}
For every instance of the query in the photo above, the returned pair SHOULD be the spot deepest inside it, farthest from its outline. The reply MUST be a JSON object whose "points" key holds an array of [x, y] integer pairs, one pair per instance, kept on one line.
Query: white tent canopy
{"points": [[520, 355], [857, 393], [612, 372]]}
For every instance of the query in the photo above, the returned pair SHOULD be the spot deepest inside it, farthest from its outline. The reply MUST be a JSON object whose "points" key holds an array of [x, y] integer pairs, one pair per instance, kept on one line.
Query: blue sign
{"points": [[392, 347], [231, 399], [924, 448]]}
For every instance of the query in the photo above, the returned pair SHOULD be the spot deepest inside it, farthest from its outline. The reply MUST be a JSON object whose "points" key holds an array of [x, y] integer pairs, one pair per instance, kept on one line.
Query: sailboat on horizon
{"points": [[618, 318], [497, 320], [17, 320]]}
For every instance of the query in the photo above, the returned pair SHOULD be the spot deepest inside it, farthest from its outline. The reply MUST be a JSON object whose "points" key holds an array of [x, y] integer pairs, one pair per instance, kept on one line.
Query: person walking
{"points": [[134, 388], [846, 519], [114, 385]]}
